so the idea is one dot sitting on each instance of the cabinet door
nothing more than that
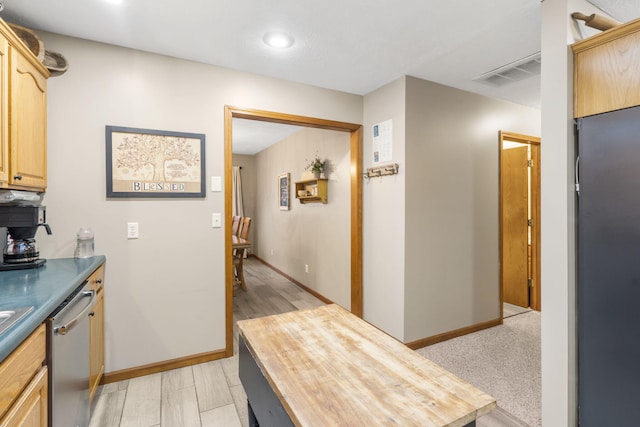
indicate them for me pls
(96, 344)
(30, 410)
(96, 279)
(17, 370)
(607, 71)
(4, 112)
(28, 118)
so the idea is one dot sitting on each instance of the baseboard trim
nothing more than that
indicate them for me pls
(414, 345)
(294, 281)
(154, 368)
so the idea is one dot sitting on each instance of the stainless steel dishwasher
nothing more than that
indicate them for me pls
(68, 353)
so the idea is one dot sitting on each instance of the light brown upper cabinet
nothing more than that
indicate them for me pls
(607, 71)
(23, 115)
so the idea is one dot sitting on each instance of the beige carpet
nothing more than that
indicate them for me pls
(509, 310)
(503, 361)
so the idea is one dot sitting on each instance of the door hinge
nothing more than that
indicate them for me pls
(530, 163)
(529, 223)
(530, 282)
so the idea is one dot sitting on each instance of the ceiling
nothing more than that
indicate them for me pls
(622, 10)
(252, 136)
(355, 46)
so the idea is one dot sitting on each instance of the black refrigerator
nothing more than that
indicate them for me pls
(608, 172)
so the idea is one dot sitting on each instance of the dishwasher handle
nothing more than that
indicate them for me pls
(64, 329)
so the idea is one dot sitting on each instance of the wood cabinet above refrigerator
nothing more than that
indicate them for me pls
(607, 71)
(23, 115)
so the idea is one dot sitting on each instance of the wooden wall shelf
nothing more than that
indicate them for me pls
(313, 191)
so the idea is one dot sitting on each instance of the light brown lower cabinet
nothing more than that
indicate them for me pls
(96, 345)
(30, 410)
(24, 384)
(96, 333)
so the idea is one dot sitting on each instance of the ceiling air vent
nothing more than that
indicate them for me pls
(513, 72)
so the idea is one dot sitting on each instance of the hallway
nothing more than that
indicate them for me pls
(210, 394)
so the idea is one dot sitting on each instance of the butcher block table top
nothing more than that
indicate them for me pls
(328, 367)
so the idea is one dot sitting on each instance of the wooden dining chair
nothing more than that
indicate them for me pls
(239, 254)
(238, 281)
(244, 232)
(246, 226)
(235, 224)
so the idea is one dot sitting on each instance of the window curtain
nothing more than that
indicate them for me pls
(237, 208)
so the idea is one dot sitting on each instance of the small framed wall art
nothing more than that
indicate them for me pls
(283, 191)
(154, 163)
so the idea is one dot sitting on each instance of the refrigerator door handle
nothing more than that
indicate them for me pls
(578, 175)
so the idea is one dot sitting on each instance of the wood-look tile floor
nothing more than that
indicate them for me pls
(210, 394)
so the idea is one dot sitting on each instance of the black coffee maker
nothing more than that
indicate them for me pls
(22, 222)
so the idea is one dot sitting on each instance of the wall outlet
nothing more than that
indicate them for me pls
(306, 268)
(132, 230)
(271, 251)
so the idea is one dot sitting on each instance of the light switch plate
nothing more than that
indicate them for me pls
(216, 183)
(132, 230)
(216, 220)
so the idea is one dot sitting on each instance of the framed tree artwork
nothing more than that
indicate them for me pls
(154, 163)
(283, 191)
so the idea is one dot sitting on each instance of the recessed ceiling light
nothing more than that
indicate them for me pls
(114, 1)
(278, 40)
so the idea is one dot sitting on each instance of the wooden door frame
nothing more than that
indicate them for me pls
(355, 131)
(535, 296)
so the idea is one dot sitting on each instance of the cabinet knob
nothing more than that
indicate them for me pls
(17, 177)
(98, 281)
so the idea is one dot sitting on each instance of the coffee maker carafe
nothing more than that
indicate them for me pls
(22, 222)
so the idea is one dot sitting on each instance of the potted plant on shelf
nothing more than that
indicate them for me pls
(316, 166)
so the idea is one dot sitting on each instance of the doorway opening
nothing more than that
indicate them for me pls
(355, 131)
(520, 286)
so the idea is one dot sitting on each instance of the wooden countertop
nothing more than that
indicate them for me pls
(329, 367)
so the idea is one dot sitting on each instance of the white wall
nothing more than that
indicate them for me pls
(314, 234)
(431, 261)
(383, 221)
(452, 167)
(165, 291)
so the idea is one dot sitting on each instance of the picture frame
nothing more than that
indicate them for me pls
(283, 191)
(154, 163)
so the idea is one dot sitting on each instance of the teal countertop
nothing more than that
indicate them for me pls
(43, 288)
